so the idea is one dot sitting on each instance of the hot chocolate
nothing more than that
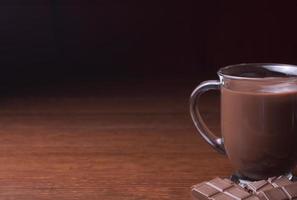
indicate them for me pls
(258, 118)
(259, 126)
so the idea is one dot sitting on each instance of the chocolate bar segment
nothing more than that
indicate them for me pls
(280, 181)
(237, 192)
(291, 190)
(287, 192)
(258, 186)
(253, 197)
(221, 189)
(203, 189)
(274, 194)
(222, 196)
(263, 185)
(219, 184)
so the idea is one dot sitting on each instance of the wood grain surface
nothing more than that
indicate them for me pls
(105, 142)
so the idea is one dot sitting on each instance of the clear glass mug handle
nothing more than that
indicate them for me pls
(216, 142)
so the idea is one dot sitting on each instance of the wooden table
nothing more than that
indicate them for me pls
(105, 142)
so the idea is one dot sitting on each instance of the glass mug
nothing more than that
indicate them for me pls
(258, 118)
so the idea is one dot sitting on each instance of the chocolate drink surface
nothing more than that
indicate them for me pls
(259, 127)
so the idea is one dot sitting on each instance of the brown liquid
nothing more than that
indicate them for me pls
(260, 130)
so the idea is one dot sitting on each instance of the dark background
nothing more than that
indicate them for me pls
(56, 41)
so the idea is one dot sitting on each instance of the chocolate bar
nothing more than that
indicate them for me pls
(275, 188)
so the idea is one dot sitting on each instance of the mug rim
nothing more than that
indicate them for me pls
(289, 71)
